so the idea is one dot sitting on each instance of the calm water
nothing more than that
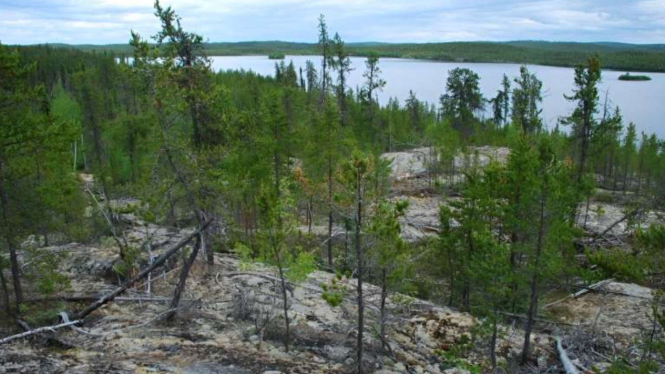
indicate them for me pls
(641, 102)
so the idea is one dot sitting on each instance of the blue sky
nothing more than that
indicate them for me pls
(109, 21)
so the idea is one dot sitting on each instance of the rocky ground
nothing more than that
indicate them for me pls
(219, 325)
(217, 328)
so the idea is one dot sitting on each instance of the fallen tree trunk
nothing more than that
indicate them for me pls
(160, 260)
(563, 356)
(82, 298)
(625, 217)
(38, 331)
(581, 292)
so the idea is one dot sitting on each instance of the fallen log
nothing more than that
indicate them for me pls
(259, 275)
(625, 217)
(581, 292)
(563, 356)
(38, 331)
(86, 298)
(160, 260)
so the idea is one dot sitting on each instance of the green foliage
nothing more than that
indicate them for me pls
(462, 99)
(526, 98)
(455, 356)
(128, 264)
(633, 57)
(41, 313)
(43, 272)
(335, 291)
(628, 77)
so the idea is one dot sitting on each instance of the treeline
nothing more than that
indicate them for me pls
(268, 158)
(616, 56)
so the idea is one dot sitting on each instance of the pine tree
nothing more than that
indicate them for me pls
(462, 99)
(526, 98)
(628, 154)
(585, 94)
(341, 63)
(373, 83)
(354, 175)
(326, 49)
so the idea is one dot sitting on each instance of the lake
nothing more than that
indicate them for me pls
(641, 102)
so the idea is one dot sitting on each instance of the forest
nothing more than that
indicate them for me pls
(615, 56)
(296, 176)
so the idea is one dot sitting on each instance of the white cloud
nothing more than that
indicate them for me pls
(35, 21)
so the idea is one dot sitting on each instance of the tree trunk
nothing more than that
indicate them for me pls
(533, 304)
(585, 138)
(625, 176)
(210, 253)
(285, 297)
(9, 238)
(142, 274)
(310, 214)
(5, 292)
(183, 278)
(384, 296)
(330, 213)
(495, 333)
(359, 260)
(452, 277)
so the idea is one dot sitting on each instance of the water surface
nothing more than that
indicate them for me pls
(641, 102)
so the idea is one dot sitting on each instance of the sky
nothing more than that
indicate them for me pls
(110, 21)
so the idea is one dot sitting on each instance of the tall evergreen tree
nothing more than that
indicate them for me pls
(462, 99)
(585, 94)
(526, 99)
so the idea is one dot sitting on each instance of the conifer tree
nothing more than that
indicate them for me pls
(354, 176)
(373, 83)
(585, 94)
(326, 49)
(628, 154)
(526, 98)
(341, 63)
(462, 99)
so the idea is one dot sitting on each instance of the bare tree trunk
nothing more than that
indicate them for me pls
(330, 213)
(142, 274)
(359, 260)
(210, 253)
(384, 296)
(533, 304)
(495, 333)
(285, 297)
(5, 292)
(9, 238)
(310, 214)
(183, 278)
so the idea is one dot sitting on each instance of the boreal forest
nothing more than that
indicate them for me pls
(160, 216)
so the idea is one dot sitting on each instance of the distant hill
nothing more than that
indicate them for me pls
(618, 56)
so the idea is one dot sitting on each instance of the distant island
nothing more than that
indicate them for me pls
(629, 77)
(276, 56)
(614, 56)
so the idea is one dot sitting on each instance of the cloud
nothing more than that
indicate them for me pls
(109, 21)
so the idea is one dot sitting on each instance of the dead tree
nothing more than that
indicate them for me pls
(144, 273)
(183, 278)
